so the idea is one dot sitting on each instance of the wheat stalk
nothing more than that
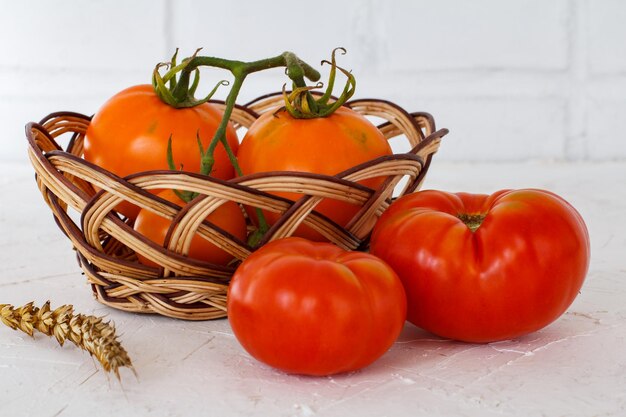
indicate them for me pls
(89, 333)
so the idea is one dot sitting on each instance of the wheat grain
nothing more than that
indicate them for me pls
(89, 333)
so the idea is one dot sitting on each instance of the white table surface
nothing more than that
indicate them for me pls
(574, 367)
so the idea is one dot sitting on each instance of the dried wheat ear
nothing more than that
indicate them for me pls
(89, 333)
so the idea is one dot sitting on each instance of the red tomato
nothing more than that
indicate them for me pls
(517, 272)
(227, 217)
(327, 145)
(130, 132)
(313, 308)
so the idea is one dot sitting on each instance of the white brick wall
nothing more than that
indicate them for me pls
(516, 80)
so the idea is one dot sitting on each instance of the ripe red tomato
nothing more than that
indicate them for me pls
(516, 273)
(227, 217)
(313, 308)
(130, 132)
(325, 145)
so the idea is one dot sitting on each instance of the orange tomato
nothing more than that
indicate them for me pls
(328, 145)
(130, 133)
(227, 217)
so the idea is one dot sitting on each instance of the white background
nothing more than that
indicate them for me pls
(513, 81)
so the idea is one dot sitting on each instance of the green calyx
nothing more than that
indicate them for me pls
(472, 221)
(179, 92)
(302, 104)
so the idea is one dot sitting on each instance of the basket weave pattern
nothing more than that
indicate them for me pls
(182, 287)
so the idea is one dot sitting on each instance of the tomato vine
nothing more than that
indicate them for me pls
(180, 93)
(177, 88)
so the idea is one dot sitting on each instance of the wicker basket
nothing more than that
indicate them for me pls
(181, 287)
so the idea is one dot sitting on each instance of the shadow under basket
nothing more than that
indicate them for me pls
(106, 243)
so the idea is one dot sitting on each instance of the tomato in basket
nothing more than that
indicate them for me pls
(228, 217)
(315, 135)
(130, 134)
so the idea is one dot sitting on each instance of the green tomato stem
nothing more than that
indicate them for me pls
(220, 135)
(301, 104)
